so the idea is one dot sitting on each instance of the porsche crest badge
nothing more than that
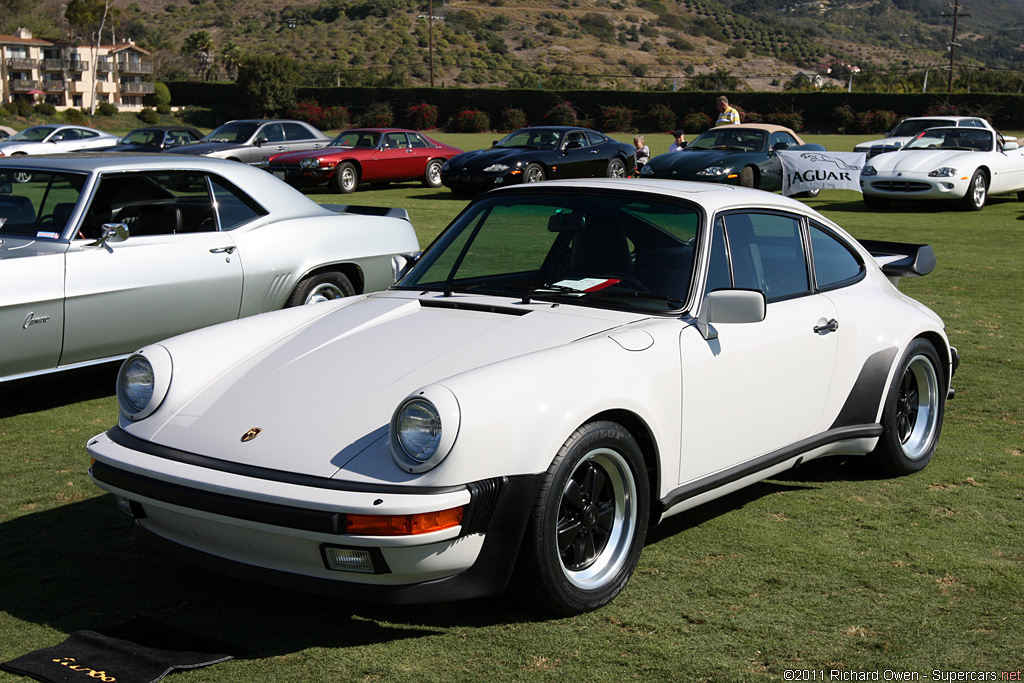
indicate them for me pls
(251, 434)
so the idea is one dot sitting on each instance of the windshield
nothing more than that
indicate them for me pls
(356, 138)
(535, 138)
(614, 251)
(912, 127)
(235, 131)
(38, 205)
(969, 139)
(33, 134)
(143, 137)
(743, 139)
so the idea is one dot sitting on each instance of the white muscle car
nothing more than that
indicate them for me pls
(55, 139)
(568, 363)
(966, 164)
(103, 253)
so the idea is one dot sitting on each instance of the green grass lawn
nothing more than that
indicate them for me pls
(827, 568)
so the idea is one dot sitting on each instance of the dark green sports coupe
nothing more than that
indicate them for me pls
(740, 154)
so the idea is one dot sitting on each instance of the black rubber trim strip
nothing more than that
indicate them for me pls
(868, 391)
(766, 461)
(126, 440)
(469, 306)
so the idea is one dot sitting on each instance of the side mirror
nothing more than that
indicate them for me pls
(730, 306)
(403, 263)
(56, 138)
(781, 145)
(573, 144)
(1009, 146)
(112, 232)
(261, 141)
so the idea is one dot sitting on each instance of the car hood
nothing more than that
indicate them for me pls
(9, 148)
(323, 152)
(325, 393)
(886, 142)
(919, 161)
(691, 161)
(482, 158)
(205, 148)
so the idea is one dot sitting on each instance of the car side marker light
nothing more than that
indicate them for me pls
(403, 525)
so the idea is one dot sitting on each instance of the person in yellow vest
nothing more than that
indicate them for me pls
(726, 114)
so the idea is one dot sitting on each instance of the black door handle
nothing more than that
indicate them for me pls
(831, 326)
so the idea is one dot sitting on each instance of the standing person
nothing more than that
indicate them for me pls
(680, 141)
(726, 114)
(642, 152)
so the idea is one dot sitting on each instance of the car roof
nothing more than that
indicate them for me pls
(769, 127)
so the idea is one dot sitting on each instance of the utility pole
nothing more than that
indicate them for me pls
(953, 45)
(430, 13)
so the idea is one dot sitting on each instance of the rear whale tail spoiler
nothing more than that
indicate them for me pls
(369, 210)
(898, 260)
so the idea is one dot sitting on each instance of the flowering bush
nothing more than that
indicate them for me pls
(791, 120)
(513, 119)
(378, 115)
(423, 116)
(618, 118)
(324, 118)
(696, 122)
(472, 121)
(661, 118)
(562, 114)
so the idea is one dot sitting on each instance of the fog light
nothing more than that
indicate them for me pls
(124, 505)
(356, 560)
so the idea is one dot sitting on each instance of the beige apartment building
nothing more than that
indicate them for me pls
(78, 76)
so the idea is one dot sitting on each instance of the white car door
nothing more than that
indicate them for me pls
(758, 387)
(175, 272)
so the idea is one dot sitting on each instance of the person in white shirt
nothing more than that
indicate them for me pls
(679, 143)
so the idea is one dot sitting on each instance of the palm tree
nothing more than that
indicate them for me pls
(199, 47)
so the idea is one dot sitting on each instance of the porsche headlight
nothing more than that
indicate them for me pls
(444, 166)
(869, 170)
(714, 170)
(309, 162)
(496, 168)
(647, 170)
(424, 428)
(143, 381)
(944, 172)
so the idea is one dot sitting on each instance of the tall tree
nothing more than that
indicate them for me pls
(231, 56)
(198, 48)
(268, 83)
(87, 19)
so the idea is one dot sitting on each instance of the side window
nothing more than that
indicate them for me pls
(233, 206)
(784, 138)
(834, 264)
(272, 132)
(417, 141)
(767, 254)
(394, 140)
(86, 134)
(294, 131)
(718, 268)
(596, 139)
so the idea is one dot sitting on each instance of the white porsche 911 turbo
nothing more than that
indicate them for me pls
(567, 364)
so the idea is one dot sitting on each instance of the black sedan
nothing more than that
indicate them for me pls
(530, 155)
(155, 139)
(741, 154)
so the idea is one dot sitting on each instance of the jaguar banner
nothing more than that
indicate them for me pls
(805, 171)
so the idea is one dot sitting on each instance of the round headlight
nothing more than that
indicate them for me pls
(418, 428)
(143, 381)
(424, 427)
(309, 162)
(136, 382)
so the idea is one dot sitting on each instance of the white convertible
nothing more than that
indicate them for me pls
(568, 363)
(55, 139)
(966, 164)
(103, 253)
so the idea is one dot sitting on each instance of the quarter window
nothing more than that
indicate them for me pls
(834, 264)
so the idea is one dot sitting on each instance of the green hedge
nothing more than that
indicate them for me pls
(817, 109)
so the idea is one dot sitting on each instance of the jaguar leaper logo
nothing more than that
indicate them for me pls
(251, 434)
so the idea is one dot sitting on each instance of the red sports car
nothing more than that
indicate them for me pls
(365, 155)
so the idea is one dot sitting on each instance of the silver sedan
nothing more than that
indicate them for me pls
(101, 254)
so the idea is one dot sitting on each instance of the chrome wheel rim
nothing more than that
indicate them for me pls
(348, 178)
(534, 175)
(617, 170)
(434, 174)
(596, 519)
(978, 190)
(324, 292)
(917, 407)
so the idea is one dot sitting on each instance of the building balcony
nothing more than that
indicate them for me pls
(73, 65)
(78, 87)
(135, 67)
(104, 65)
(105, 88)
(22, 63)
(23, 85)
(52, 86)
(137, 88)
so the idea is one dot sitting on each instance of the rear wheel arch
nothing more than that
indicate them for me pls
(350, 270)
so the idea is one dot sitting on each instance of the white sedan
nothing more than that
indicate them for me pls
(103, 253)
(54, 139)
(568, 363)
(965, 164)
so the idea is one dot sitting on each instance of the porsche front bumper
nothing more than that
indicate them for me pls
(282, 533)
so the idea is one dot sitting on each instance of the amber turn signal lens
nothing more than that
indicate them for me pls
(403, 525)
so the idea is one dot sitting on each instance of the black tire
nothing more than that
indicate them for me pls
(913, 412)
(313, 289)
(977, 192)
(432, 174)
(534, 173)
(748, 177)
(1020, 196)
(616, 168)
(875, 202)
(345, 178)
(588, 524)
